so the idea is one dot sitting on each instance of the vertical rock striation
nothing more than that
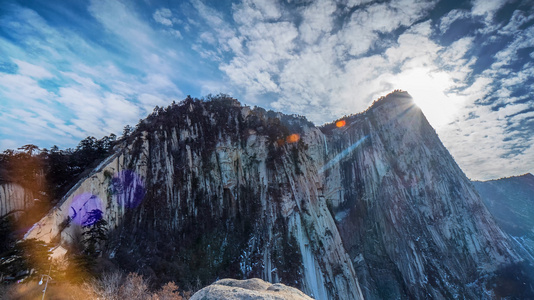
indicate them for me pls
(411, 221)
(14, 198)
(221, 191)
(209, 189)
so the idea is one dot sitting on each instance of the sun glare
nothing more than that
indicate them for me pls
(429, 90)
(293, 138)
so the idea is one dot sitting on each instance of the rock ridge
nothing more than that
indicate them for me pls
(375, 208)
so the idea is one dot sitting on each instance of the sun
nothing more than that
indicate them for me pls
(430, 90)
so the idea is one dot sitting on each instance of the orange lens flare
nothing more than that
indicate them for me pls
(293, 138)
(340, 123)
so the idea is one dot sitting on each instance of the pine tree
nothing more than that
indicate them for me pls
(95, 233)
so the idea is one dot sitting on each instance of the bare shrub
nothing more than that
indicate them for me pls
(134, 288)
(168, 292)
(107, 287)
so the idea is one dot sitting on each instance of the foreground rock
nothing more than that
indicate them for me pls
(248, 289)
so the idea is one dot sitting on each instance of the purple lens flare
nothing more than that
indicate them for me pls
(128, 188)
(86, 209)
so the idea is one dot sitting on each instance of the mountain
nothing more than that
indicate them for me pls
(211, 189)
(511, 201)
(409, 218)
(371, 206)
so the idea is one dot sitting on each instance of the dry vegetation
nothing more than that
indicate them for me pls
(110, 286)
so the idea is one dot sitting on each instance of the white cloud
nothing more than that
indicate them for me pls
(68, 87)
(118, 19)
(517, 20)
(522, 39)
(487, 8)
(32, 70)
(34, 122)
(352, 3)
(266, 57)
(85, 82)
(22, 88)
(249, 11)
(317, 20)
(208, 38)
(8, 144)
(149, 101)
(119, 111)
(214, 19)
(487, 142)
(163, 16)
(482, 145)
(322, 59)
(452, 16)
(174, 33)
(267, 46)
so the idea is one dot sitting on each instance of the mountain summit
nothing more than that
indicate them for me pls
(410, 220)
(371, 206)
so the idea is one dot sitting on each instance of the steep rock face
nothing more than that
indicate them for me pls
(218, 191)
(207, 190)
(14, 198)
(409, 218)
(511, 202)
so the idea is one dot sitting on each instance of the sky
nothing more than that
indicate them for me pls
(72, 69)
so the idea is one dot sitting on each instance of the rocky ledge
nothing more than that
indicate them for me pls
(255, 288)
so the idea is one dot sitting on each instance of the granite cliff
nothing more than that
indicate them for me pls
(372, 206)
(14, 199)
(411, 221)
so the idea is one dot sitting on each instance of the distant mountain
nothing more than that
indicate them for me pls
(511, 201)
(371, 206)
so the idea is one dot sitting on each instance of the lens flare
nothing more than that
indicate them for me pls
(129, 188)
(341, 155)
(86, 209)
(341, 123)
(293, 138)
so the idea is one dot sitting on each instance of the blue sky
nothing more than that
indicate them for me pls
(72, 69)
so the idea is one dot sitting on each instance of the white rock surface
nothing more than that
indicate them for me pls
(14, 197)
(251, 289)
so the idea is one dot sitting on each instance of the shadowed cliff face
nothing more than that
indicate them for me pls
(209, 189)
